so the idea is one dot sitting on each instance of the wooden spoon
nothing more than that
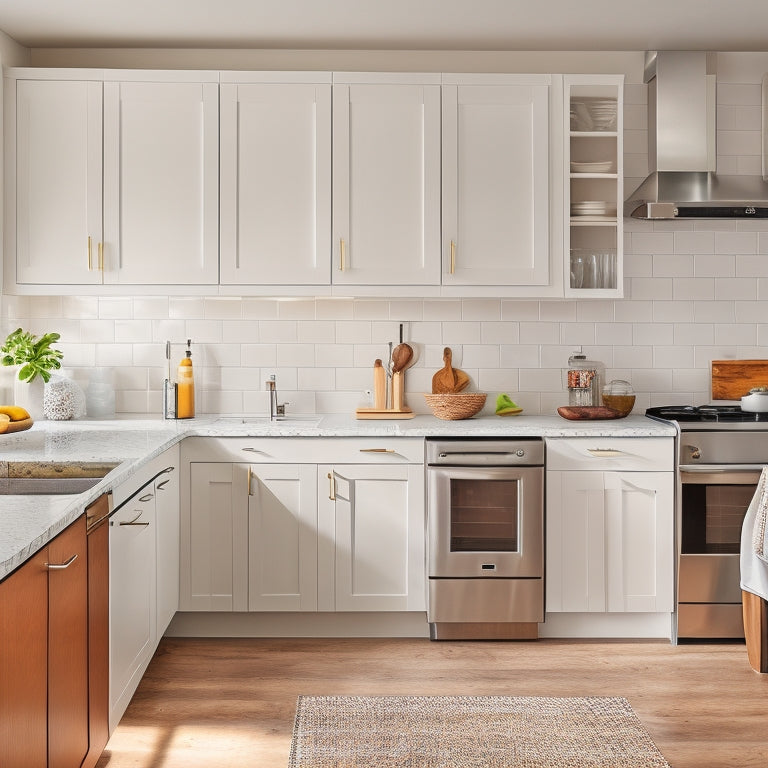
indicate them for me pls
(445, 379)
(402, 355)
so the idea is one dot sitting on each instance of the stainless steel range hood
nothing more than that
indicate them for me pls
(681, 147)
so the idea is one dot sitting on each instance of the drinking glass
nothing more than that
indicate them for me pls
(577, 270)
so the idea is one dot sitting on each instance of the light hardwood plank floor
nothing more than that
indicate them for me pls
(230, 703)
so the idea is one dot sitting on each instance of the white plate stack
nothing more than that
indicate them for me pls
(598, 208)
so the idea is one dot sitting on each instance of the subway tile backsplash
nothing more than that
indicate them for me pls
(694, 291)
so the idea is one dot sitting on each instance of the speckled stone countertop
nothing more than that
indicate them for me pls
(28, 523)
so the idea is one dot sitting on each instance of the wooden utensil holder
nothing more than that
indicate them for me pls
(397, 408)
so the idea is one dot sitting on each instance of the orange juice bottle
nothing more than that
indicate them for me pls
(185, 393)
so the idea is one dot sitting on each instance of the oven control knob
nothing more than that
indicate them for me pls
(520, 452)
(694, 451)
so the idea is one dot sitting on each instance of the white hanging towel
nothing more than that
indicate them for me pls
(754, 544)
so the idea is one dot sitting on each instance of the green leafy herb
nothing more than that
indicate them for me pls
(35, 355)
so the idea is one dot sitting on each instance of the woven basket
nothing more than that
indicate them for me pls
(453, 406)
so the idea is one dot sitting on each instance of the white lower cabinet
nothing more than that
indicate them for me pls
(371, 546)
(610, 525)
(282, 537)
(143, 580)
(284, 532)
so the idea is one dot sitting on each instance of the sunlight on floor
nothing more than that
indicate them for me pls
(189, 746)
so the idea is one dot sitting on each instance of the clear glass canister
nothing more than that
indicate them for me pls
(583, 380)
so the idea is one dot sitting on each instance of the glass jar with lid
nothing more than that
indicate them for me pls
(583, 380)
(619, 395)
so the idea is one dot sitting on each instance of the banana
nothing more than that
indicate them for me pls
(14, 412)
(5, 420)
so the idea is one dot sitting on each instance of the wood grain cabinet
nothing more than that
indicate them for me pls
(110, 181)
(44, 659)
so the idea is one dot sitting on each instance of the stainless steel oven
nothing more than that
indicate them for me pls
(485, 537)
(721, 452)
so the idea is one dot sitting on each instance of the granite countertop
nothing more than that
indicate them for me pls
(28, 523)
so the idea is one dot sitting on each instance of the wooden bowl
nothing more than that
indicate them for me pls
(452, 406)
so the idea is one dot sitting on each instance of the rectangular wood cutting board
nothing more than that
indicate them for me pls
(732, 379)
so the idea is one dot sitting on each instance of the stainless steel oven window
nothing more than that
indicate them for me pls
(484, 515)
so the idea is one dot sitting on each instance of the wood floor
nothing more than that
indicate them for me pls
(230, 703)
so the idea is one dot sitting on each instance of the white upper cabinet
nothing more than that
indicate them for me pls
(276, 179)
(161, 143)
(386, 180)
(496, 181)
(111, 178)
(56, 204)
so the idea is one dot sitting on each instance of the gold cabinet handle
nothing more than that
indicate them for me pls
(61, 566)
(134, 521)
(250, 475)
(377, 450)
(453, 256)
(90, 253)
(101, 257)
(332, 491)
(342, 254)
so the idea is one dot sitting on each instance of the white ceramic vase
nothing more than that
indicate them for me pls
(29, 395)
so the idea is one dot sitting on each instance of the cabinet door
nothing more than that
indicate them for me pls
(58, 169)
(161, 147)
(610, 541)
(24, 665)
(495, 185)
(639, 536)
(68, 647)
(275, 183)
(215, 577)
(282, 535)
(386, 184)
(166, 488)
(133, 598)
(575, 562)
(371, 548)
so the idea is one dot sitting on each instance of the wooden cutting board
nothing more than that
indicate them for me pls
(732, 379)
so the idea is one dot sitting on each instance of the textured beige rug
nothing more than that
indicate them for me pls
(469, 732)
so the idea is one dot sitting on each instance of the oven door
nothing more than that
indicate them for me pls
(713, 505)
(485, 522)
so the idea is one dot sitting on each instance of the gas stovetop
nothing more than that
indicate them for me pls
(716, 417)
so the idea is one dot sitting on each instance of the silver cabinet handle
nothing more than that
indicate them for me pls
(133, 522)
(61, 566)
(605, 452)
(255, 450)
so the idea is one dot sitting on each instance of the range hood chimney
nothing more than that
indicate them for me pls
(682, 147)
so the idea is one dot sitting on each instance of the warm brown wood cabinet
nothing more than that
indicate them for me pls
(44, 656)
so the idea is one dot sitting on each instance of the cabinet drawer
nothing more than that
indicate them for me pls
(642, 454)
(312, 450)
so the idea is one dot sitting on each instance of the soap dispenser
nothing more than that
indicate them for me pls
(185, 386)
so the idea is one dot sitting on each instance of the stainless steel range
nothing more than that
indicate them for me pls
(485, 525)
(721, 452)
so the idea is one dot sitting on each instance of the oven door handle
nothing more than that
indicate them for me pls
(714, 469)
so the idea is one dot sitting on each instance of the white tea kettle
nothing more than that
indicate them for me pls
(756, 401)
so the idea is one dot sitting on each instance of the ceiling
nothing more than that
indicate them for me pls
(513, 25)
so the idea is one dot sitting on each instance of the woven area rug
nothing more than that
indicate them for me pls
(469, 732)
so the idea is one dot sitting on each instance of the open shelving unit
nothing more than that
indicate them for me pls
(594, 106)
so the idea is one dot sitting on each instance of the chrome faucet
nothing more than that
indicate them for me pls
(276, 411)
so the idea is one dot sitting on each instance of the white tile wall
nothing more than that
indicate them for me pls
(694, 292)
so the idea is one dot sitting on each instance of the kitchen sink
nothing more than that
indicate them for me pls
(306, 420)
(57, 479)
